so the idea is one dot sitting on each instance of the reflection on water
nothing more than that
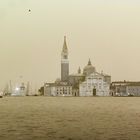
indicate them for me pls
(69, 118)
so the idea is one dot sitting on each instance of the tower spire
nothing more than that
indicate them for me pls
(89, 62)
(79, 70)
(65, 49)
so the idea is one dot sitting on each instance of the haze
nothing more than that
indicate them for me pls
(106, 31)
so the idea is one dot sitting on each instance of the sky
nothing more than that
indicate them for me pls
(106, 31)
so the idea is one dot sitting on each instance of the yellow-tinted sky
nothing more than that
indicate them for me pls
(106, 31)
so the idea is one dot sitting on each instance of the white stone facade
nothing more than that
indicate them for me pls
(96, 82)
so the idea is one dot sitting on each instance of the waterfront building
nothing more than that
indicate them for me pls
(57, 89)
(88, 83)
(75, 80)
(125, 88)
(94, 85)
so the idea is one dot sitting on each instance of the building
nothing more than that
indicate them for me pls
(125, 88)
(64, 62)
(75, 80)
(94, 85)
(57, 89)
(88, 83)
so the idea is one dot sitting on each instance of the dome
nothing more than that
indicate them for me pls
(89, 69)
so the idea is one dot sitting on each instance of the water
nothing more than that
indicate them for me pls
(70, 118)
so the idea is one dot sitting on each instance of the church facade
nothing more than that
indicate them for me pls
(94, 85)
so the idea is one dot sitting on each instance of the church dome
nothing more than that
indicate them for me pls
(89, 69)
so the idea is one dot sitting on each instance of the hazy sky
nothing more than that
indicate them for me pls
(106, 31)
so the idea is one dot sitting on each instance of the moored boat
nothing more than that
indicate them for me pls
(1, 94)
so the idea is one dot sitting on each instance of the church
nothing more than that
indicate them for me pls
(86, 83)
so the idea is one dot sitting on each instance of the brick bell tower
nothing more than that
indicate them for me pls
(64, 62)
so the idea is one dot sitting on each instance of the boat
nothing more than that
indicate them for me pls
(1, 94)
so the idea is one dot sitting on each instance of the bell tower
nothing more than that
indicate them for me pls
(64, 62)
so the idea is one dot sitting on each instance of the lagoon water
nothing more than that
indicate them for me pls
(70, 118)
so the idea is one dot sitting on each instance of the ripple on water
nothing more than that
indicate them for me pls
(80, 119)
